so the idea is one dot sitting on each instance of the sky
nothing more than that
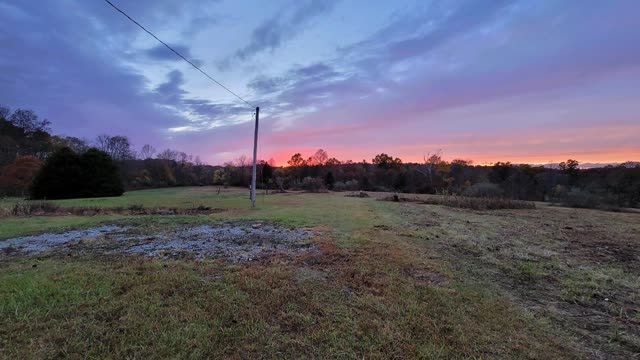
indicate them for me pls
(526, 81)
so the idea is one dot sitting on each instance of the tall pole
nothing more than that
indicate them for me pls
(255, 154)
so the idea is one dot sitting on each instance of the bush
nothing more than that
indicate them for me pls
(28, 208)
(381, 188)
(587, 200)
(351, 185)
(295, 184)
(66, 175)
(136, 207)
(479, 203)
(312, 184)
(483, 190)
(339, 186)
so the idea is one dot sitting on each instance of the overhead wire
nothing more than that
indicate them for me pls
(178, 54)
(182, 57)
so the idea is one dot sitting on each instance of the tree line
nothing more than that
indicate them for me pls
(26, 143)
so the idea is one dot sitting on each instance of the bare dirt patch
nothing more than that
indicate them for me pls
(48, 242)
(237, 243)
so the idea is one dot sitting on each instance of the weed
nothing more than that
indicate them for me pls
(136, 208)
(474, 203)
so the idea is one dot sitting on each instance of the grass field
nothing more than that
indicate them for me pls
(388, 280)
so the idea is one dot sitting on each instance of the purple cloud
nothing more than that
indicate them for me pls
(430, 75)
(284, 25)
(160, 52)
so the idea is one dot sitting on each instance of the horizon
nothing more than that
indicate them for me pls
(512, 81)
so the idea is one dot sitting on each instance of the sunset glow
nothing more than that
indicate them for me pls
(521, 81)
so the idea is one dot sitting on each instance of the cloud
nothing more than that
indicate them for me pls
(202, 114)
(427, 85)
(161, 53)
(171, 91)
(403, 84)
(77, 85)
(286, 24)
(466, 17)
(295, 77)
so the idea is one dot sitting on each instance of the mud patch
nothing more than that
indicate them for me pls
(236, 243)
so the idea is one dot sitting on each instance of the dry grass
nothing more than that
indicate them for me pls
(372, 302)
(476, 203)
(42, 208)
(391, 280)
(464, 202)
(578, 269)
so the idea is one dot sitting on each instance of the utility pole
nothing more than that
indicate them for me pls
(255, 154)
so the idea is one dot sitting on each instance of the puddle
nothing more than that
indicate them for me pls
(236, 243)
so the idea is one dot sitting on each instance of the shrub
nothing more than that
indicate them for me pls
(295, 184)
(28, 208)
(479, 203)
(381, 188)
(339, 186)
(587, 200)
(312, 184)
(136, 207)
(352, 185)
(483, 190)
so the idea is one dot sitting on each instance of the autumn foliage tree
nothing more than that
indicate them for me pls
(16, 178)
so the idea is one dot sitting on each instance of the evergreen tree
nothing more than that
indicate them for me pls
(329, 180)
(67, 175)
(101, 176)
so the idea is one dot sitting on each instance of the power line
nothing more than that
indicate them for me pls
(177, 53)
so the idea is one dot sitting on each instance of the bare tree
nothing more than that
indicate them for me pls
(28, 120)
(4, 112)
(431, 163)
(242, 161)
(168, 154)
(147, 152)
(118, 147)
(76, 144)
(319, 158)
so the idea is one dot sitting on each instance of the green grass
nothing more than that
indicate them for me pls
(24, 226)
(344, 215)
(390, 281)
(177, 197)
(147, 309)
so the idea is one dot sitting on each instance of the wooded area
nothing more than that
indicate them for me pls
(26, 142)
